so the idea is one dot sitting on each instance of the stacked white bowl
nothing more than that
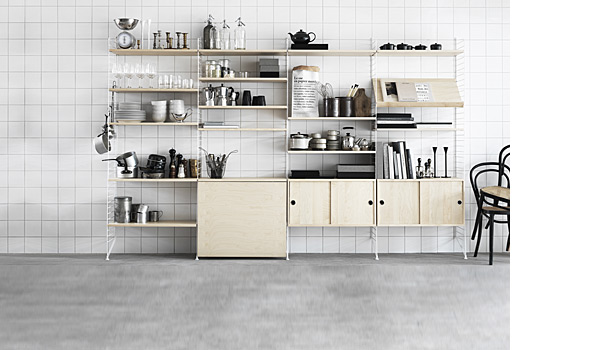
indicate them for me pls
(177, 107)
(159, 111)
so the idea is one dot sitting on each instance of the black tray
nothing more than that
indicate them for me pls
(310, 47)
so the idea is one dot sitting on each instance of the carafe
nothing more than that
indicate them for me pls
(206, 32)
(225, 37)
(239, 35)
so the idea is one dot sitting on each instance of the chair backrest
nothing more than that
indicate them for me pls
(502, 157)
(489, 167)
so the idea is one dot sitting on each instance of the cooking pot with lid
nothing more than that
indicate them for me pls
(299, 141)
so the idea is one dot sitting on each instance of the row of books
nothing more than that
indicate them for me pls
(406, 121)
(394, 161)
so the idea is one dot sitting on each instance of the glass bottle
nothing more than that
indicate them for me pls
(239, 35)
(225, 34)
(215, 38)
(206, 32)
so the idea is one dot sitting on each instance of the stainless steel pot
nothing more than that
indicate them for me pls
(299, 141)
(122, 211)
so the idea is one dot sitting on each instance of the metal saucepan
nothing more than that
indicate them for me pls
(102, 141)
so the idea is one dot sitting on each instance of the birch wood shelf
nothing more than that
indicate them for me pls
(166, 180)
(243, 80)
(162, 223)
(118, 123)
(245, 107)
(242, 129)
(152, 90)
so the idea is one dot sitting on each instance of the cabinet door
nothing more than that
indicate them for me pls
(309, 203)
(241, 219)
(397, 203)
(353, 203)
(442, 203)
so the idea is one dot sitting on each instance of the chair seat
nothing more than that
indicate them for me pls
(496, 210)
(497, 191)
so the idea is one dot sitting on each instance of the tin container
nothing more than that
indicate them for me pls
(346, 106)
(122, 210)
(331, 106)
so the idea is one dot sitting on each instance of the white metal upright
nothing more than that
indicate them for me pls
(459, 138)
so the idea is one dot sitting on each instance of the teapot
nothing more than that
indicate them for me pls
(301, 37)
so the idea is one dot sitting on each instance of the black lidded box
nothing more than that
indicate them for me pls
(310, 47)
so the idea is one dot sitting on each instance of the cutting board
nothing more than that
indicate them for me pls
(362, 104)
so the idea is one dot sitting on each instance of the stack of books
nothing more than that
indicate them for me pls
(217, 125)
(434, 125)
(395, 121)
(394, 161)
(355, 171)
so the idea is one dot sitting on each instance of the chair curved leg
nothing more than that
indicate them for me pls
(508, 240)
(491, 238)
(478, 238)
(478, 219)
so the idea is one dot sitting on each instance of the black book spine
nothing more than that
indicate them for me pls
(409, 164)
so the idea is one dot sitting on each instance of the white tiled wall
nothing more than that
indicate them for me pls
(53, 80)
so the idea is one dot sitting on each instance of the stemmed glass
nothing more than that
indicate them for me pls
(140, 73)
(117, 71)
(150, 73)
(128, 71)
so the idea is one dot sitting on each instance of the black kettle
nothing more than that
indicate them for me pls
(301, 37)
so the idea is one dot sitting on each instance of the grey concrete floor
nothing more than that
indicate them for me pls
(313, 301)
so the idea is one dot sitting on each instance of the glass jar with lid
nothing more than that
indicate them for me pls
(212, 69)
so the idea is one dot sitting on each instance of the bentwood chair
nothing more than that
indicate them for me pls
(492, 201)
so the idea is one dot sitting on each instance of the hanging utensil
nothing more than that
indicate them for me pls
(102, 141)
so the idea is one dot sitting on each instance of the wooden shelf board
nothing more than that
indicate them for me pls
(331, 52)
(242, 129)
(355, 53)
(154, 124)
(151, 52)
(151, 90)
(439, 179)
(420, 104)
(419, 53)
(243, 107)
(162, 223)
(327, 180)
(244, 80)
(331, 152)
(341, 119)
(244, 179)
(242, 52)
(166, 180)
(417, 129)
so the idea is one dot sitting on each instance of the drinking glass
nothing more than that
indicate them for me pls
(128, 72)
(151, 73)
(117, 71)
(140, 73)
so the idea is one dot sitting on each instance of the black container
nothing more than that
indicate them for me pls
(331, 106)
(246, 98)
(404, 46)
(420, 47)
(435, 46)
(259, 101)
(156, 161)
(346, 106)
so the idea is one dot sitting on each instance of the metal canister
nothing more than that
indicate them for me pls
(122, 210)
(331, 106)
(346, 106)
(193, 167)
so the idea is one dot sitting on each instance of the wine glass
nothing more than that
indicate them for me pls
(139, 73)
(150, 73)
(128, 72)
(117, 71)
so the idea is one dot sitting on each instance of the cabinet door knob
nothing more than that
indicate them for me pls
(370, 202)
(381, 202)
(459, 202)
(293, 202)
